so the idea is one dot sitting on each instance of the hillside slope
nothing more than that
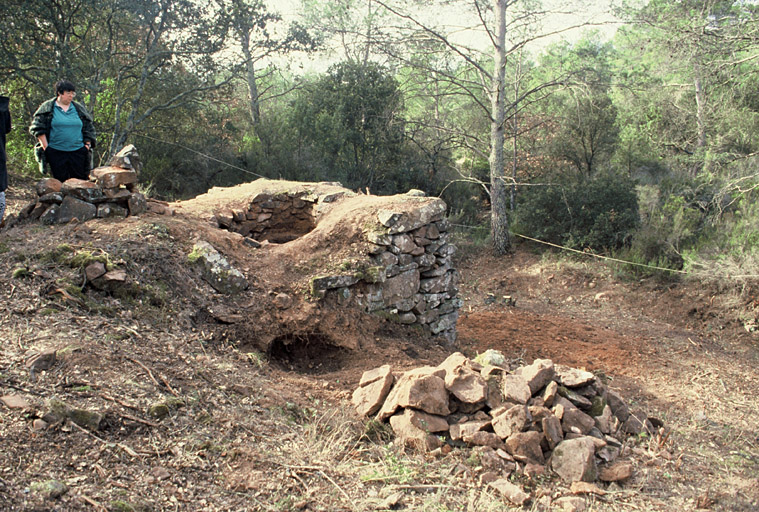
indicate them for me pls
(199, 400)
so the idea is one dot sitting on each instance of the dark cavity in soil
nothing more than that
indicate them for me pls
(311, 354)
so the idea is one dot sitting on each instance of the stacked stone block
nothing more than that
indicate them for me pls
(275, 217)
(110, 192)
(412, 279)
(59, 203)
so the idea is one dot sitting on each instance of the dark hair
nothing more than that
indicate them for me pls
(62, 86)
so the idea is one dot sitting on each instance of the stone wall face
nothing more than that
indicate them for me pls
(60, 203)
(420, 285)
(412, 280)
(278, 218)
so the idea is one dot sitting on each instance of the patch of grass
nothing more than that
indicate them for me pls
(378, 432)
(59, 255)
(196, 254)
(68, 349)
(294, 414)
(155, 229)
(73, 289)
(125, 506)
(21, 272)
(82, 259)
(116, 336)
(392, 469)
(256, 358)
(64, 254)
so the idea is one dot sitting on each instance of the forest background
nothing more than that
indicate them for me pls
(641, 146)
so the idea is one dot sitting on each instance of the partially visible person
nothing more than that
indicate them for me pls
(65, 132)
(5, 128)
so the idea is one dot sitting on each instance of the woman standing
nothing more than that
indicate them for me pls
(5, 127)
(66, 133)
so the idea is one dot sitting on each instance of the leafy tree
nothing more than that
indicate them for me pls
(251, 23)
(352, 28)
(508, 26)
(683, 67)
(352, 119)
(583, 129)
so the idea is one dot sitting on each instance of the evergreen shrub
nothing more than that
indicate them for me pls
(598, 214)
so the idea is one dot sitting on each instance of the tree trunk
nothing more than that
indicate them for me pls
(700, 113)
(701, 124)
(250, 78)
(498, 190)
(514, 140)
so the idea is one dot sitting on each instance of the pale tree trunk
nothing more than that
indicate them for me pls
(368, 32)
(514, 139)
(700, 122)
(250, 76)
(498, 190)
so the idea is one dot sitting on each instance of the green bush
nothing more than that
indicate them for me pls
(599, 214)
(669, 229)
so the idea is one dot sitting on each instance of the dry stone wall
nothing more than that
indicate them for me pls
(412, 279)
(278, 218)
(110, 192)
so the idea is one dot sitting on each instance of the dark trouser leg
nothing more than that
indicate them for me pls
(68, 164)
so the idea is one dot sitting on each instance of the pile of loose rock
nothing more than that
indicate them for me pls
(110, 192)
(542, 416)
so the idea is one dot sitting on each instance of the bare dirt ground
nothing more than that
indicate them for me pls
(248, 427)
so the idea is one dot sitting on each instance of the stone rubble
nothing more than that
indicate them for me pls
(110, 192)
(542, 416)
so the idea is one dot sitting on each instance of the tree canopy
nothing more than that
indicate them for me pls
(494, 122)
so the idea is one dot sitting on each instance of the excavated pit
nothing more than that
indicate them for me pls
(275, 218)
(311, 354)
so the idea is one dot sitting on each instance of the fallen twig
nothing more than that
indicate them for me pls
(93, 503)
(422, 487)
(140, 420)
(150, 374)
(353, 505)
(157, 453)
(325, 475)
(299, 479)
(120, 402)
(18, 388)
(89, 433)
(166, 382)
(124, 447)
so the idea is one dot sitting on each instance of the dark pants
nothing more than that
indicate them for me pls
(68, 164)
